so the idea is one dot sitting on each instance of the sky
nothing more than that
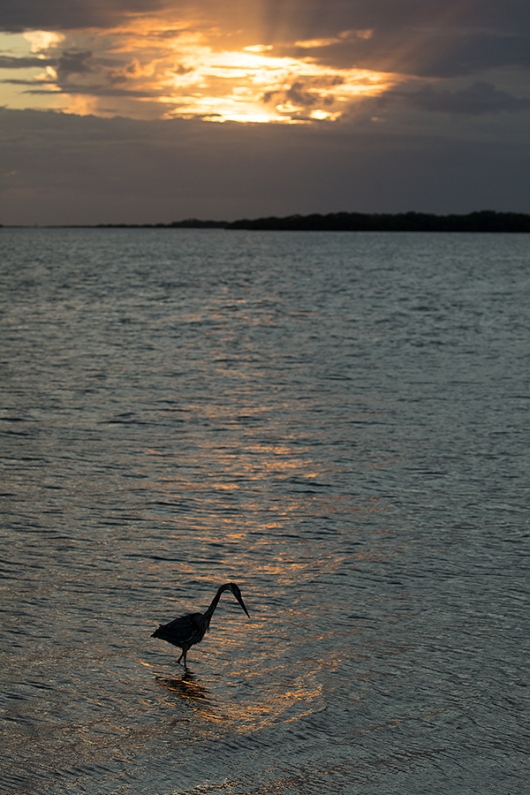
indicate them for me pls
(146, 111)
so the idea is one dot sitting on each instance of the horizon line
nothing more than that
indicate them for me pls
(411, 221)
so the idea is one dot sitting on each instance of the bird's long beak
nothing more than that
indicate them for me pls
(241, 602)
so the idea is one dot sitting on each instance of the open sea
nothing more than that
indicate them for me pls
(337, 422)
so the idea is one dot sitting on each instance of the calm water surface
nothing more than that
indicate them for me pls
(339, 424)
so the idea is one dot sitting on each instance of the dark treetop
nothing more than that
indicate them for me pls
(483, 221)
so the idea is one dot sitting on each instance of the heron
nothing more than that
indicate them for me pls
(189, 629)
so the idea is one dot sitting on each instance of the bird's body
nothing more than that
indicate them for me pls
(191, 628)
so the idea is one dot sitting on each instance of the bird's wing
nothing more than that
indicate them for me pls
(183, 629)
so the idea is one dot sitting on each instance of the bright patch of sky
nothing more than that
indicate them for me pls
(158, 69)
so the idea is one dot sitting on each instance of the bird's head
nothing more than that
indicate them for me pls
(231, 586)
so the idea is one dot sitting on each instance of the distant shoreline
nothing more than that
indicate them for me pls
(482, 221)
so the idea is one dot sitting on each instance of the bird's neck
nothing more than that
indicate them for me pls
(215, 601)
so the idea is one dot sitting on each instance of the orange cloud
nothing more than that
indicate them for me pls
(159, 68)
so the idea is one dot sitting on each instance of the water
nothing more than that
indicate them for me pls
(339, 424)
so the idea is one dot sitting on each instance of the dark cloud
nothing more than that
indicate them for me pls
(19, 15)
(87, 91)
(71, 169)
(441, 38)
(469, 54)
(101, 76)
(297, 94)
(478, 99)
(416, 37)
(312, 18)
(73, 63)
(281, 19)
(421, 53)
(7, 62)
(15, 82)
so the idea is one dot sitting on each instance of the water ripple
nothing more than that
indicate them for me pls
(338, 423)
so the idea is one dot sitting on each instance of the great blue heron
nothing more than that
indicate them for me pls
(190, 629)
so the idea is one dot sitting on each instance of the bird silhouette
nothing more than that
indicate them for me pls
(190, 629)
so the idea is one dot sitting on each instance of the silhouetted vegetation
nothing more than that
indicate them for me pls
(194, 223)
(483, 221)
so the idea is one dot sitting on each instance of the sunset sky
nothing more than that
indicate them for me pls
(157, 110)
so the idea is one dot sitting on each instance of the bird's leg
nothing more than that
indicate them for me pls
(183, 657)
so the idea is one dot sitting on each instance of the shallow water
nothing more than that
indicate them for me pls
(336, 422)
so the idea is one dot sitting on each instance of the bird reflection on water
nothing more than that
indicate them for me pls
(189, 629)
(186, 686)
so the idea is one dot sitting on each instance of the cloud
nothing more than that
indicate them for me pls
(9, 62)
(88, 91)
(191, 73)
(423, 53)
(328, 17)
(19, 15)
(298, 97)
(42, 40)
(72, 169)
(471, 53)
(250, 60)
(73, 63)
(428, 38)
(478, 99)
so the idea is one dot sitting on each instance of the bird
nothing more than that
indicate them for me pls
(189, 629)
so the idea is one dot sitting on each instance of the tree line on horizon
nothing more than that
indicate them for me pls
(482, 221)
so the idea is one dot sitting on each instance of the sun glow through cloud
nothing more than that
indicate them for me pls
(42, 40)
(159, 69)
(257, 87)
